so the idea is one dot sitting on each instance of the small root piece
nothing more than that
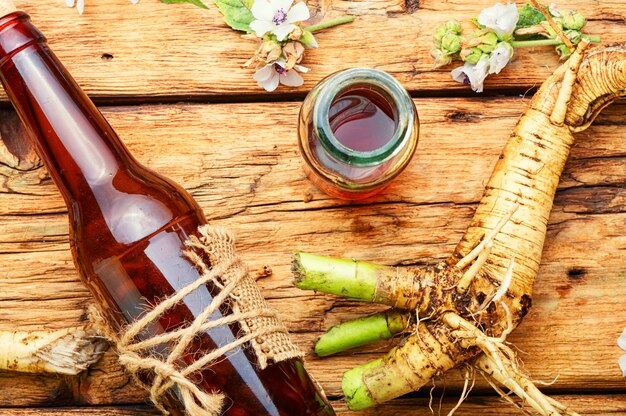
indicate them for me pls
(498, 362)
(561, 407)
(469, 275)
(503, 395)
(504, 286)
(467, 388)
(480, 253)
(465, 261)
(567, 85)
(430, 394)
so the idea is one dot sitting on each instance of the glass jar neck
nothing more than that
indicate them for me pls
(378, 83)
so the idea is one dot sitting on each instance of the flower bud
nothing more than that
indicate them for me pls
(293, 52)
(471, 55)
(451, 43)
(574, 35)
(453, 26)
(308, 39)
(296, 33)
(441, 58)
(574, 20)
(269, 51)
(488, 42)
(440, 32)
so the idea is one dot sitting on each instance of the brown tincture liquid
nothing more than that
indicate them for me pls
(128, 225)
(360, 121)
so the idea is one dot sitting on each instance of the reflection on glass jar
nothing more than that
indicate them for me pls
(358, 130)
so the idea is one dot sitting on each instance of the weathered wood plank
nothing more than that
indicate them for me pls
(251, 180)
(116, 50)
(610, 404)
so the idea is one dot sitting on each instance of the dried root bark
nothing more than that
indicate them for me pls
(483, 290)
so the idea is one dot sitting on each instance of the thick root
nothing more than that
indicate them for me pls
(428, 352)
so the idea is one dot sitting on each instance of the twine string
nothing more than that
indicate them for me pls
(237, 290)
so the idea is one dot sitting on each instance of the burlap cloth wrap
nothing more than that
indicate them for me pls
(260, 326)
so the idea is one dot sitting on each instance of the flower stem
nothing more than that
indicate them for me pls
(330, 23)
(362, 331)
(547, 42)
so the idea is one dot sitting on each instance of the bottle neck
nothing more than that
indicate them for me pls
(79, 148)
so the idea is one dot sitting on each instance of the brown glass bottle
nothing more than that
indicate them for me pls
(128, 226)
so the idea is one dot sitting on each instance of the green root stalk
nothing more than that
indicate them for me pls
(409, 288)
(344, 277)
(362, 331)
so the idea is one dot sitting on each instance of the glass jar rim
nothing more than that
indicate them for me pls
(401, 102)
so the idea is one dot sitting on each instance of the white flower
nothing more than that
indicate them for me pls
(473, 74)
(500, 57)
(554, 11)
(621, 341)
(80, 4)
(277, 17)
(274, 73)
(502, 18)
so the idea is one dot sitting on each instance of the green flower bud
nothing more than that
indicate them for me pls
(453, 26)
(574, 21)
(574, 35)
(308, 39)
(472, 55)
(441, 58)
(451, 43)
(563, 51)
(488, 42)
(440, 32)
(450, 27)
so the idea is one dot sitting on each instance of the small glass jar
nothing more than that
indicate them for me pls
(358, 129)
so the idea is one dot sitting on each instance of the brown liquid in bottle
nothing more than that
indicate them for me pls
(128, 226)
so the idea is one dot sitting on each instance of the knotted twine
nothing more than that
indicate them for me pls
(259, 324)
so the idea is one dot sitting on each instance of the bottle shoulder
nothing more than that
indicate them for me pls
(135, 203)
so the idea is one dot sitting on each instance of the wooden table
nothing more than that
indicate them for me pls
(168, 79)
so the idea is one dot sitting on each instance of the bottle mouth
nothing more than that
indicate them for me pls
(379, 84)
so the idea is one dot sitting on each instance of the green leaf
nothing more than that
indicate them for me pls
(529, 16)
(198, 3)
(236, 13)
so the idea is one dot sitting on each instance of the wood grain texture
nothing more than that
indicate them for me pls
(610, 404)
(178, 51)
(251, 180)
(486, 405)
